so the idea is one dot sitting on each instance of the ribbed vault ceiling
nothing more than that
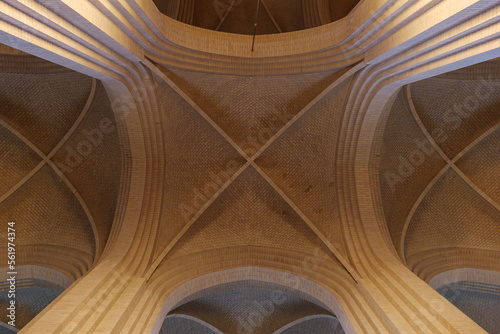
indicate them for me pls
(230, 178)
(251, 162)
(439, 170)
(238, 16)
(59, 170)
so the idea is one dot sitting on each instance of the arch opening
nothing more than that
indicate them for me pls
(253, 300)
